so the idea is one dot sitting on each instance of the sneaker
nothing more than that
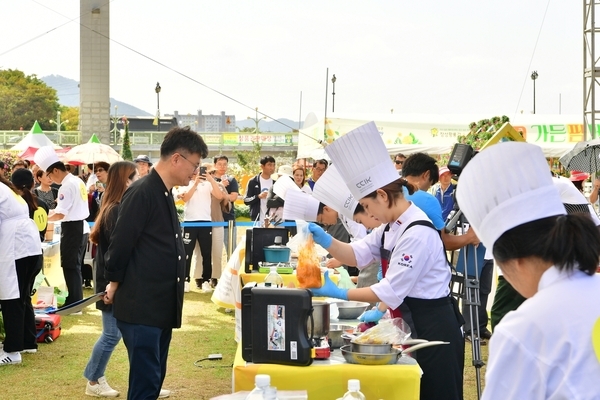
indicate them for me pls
(9, 358)
(164, 393)
(213, 283)
(101, 389)
(31, 351)
(77, 313)
(186, 286)
(199, 283)
(206, 287)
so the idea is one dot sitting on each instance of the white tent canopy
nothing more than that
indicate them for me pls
(437, 134)
(34, 139)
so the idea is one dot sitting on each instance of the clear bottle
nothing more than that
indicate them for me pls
(354, 392)
(273, 279)
(261, 382)
(270, 393)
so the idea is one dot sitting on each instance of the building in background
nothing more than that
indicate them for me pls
(206, 123)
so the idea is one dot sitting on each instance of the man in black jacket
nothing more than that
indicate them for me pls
(258, 189)
(145, 262)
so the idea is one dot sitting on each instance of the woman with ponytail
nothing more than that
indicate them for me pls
(550, 346)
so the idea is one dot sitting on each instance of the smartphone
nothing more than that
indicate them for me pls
(202, 170)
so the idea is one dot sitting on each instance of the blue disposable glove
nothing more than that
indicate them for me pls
(373, 315)
(379, 274)
(330, 289)
(319, 235)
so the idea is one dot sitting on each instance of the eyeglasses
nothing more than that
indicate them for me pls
(399, 162)
(99, 170)
(196, 167)
(320, 169)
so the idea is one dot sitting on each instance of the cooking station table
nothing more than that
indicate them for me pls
(328, 379)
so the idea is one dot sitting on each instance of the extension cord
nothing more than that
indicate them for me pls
(215, 356)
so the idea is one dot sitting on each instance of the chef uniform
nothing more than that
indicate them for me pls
(72, 202)
(549, 348)
(21, 250)
(414, 263)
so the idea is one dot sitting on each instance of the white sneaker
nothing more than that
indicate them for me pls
(9, 358)
(164, 393)
(29, 351)
(102, 389)
(206, 287)
(186, 287)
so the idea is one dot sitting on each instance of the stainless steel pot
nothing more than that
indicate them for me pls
(320, 320)
(335, 334)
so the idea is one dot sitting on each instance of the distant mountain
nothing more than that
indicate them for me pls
(68, 95)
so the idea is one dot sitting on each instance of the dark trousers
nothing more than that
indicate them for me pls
(72, 249)
(148, 349)
(506, 299)
(485, 287)
(18, 315)
(204, 237)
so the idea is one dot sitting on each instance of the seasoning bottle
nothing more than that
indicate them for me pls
(273, 279)
(261, 382)
(354, 392)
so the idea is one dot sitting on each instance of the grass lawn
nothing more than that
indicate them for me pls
(55, 372)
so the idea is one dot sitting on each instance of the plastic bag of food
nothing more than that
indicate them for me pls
(307, 270)
(389, 331)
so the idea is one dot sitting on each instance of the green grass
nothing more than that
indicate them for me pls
(55, 371)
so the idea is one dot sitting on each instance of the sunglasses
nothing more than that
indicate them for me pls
(99, 170)
(399, 162)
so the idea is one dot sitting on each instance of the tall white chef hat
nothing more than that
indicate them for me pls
(573, 200)
(495, 200)
(362, 160)
(332, 191)
(300, 205)
(45, 156)
(283, 184)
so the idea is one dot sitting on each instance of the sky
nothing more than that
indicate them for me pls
(425, 57)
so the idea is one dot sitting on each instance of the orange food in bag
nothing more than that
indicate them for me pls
(308, 271)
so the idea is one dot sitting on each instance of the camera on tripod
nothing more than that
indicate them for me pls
(459, 158)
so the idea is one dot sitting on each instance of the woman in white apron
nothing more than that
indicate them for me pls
(549, 348)
(415, 270)
(21, 250)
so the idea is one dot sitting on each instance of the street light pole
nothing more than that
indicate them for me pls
(256, 121)
(58, 123)
(333, 79)
(534, 76)
(115, 128)
(157, 90)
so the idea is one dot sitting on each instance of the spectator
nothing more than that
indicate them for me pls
(18, 165)
(300, 178)
(119, 177)
(44, 191)
(145, 264)
(258, 189)
(398, 162)
(143, 164)
(231, 184)
(318, 168)
(444, 192)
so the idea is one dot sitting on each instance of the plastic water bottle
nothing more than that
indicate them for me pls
(261, 382)
(354, 392)
(273, 279)
(270, 393)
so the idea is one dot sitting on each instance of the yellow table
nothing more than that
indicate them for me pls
(328, 379)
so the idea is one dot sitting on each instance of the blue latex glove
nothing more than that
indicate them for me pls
(319, 235)
(380, 273)
(373, 315)
(330, 289)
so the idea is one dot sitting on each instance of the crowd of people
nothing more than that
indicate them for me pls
(383, 221)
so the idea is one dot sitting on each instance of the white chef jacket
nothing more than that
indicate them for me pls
(72, 199)
(357, 231)
(19, 238)
(543, 350)
(418, 267)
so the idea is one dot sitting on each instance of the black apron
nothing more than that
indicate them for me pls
(435, 319)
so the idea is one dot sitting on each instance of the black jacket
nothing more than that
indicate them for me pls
(251, 199)
(146, 256)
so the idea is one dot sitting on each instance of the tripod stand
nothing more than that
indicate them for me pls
(471, 299)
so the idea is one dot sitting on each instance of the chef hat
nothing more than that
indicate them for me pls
(283, 184)
(331, 190)
(45, 156)
(495, 200)
(362, 160)
(300, 205)
(573, 200)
